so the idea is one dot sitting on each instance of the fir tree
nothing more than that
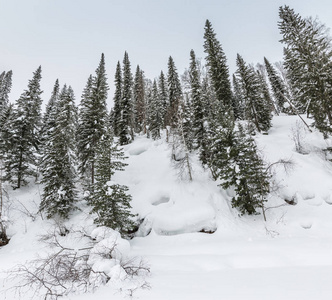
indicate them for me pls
(217, 66)
(278, 87)
(139, 101)
(5, 88)
(238, 100)
(126, 132)
(307, 56)
(155, 113)
(21, 160)
(110, 200)
(163, 96)
(197, 105)
(257, 111)
(116, 116)
(174, 93)
(59, 160)
(92, 120)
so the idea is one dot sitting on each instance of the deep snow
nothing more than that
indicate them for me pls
(287, 257)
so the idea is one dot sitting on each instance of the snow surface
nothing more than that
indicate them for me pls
(287, 257)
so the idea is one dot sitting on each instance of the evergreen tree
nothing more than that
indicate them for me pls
(59, 160)
(257, 111)
(5, 88)
(278, 87)
(155, 113)
(307, 56)
(126, 131)
(116, 118)
(21, 160)
(163, 96)
(244, 170)
(139, 101)
(238, 100)
(217, 66)
(110, 201)
(197, 105)
(265, 92)
(174, 93)
(92, 120)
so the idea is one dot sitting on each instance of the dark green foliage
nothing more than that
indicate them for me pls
(238, 100)
(265, 92)
(126, 132)
(155, 113)
(278, 87)
(21, 160)
(217, 66)
(5, 87)
(174, 93)
(59, 160)
(109, 200)
(256, 110)
(139, 101)
(92, 120)
(163, 96)
(307, 56)
(116, 113)
(244, 170)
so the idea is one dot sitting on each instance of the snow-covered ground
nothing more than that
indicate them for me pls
(287, 257)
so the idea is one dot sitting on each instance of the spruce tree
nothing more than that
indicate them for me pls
(155, 113)
(116, 113)
(307, 56)
(217, 66)
(59, 160)
(174, 93)
(5, 88)
(110, 200)
(257, 111)
(127, 131)
(163, 96)
(139, 101)
(92, 120)
(21, 160)
(238, 100)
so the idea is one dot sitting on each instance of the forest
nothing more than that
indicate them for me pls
(73, 151)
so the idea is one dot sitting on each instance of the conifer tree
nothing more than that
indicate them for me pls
(217, 66)
(110, 200)
(244, 170)
(163, 96)
(139, 101)
(197, 105)
(239, 105)
(155, 113)
(278, 87)
(59, 160)
(307, 56)
(5, 88)
(21, 160)
(92, 120)
(174, 93)
(116, 116)
(127, 131)
(257, 111)
(265, 92)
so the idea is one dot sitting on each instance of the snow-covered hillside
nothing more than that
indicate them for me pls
(287, 257)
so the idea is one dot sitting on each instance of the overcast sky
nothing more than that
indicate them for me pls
(67, 37)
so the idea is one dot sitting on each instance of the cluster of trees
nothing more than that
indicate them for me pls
(202, 112)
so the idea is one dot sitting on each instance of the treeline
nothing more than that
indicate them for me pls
(204, 111)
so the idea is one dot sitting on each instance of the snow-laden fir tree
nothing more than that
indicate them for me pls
(163, 96)
(155, 113)
(217, 66)
(174, 94)
(21, 160)
(256, 110)
(265, 91)
(59, 159)
(244, 171)
(278, 87)
(5, 88)
(116, 112)
(110, 201)
(307, 59)
(197, 105)
(139, 101)
(126, 132)
(238, 101)
(92, 120)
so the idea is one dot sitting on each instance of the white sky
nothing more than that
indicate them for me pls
(67, 37)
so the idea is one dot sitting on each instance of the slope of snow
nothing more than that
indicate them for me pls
(287, 257)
